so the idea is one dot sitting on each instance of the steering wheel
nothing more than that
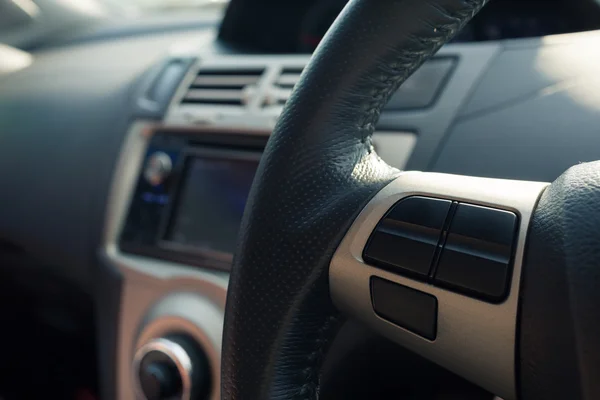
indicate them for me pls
(495, 280)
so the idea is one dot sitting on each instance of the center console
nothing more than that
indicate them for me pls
(190, 195)
(172, 220)
(174, 213)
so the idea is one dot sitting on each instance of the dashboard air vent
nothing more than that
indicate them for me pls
(283, 86)
(223, 86)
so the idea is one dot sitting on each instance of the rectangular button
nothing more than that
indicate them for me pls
(406, 238)
(423, 87)
(477, 256)
(406, 307)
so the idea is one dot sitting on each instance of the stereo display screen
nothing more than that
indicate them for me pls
(209, 206)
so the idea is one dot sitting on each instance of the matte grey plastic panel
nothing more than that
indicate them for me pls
(423, 87)
(431, 123)
(535, 113)
(521, 72)
(535, 139)
(62, 122)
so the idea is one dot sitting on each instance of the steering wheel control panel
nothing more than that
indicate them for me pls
(463, 247)
(433, 262)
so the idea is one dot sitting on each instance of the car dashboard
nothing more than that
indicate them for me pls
(126, 164)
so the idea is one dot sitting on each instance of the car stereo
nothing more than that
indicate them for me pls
(190, 196)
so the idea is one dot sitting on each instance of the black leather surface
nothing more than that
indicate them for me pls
(559, 332)
(318, 171)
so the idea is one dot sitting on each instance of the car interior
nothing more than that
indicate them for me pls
(300, 199)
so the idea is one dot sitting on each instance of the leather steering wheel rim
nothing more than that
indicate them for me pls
(317, 172)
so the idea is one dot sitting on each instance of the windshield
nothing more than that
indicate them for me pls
(149, 6)
(27, 24)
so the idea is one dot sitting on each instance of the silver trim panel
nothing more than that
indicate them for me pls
(158, 297)
(475, 339)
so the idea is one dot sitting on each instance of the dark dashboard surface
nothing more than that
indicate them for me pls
(301, 24)
(62, 123)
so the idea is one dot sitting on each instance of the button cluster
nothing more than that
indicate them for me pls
(462, 247)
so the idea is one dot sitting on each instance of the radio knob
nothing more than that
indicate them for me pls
(171, 368)
(158, 168)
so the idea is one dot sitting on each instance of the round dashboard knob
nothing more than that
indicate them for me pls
(158, 168)
(171, 368)
(160, 379)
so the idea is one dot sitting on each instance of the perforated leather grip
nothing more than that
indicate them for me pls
(319, 169)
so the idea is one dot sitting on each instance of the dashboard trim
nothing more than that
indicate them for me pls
(149, 283)
(430, 123)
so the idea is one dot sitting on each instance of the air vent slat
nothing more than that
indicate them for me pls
(288, 80)
(224, 81)
(225, 85)
(214, 94)
(205, 96)
(284, 94)
(283, 86)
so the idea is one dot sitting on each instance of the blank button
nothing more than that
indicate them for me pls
(405, 307)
